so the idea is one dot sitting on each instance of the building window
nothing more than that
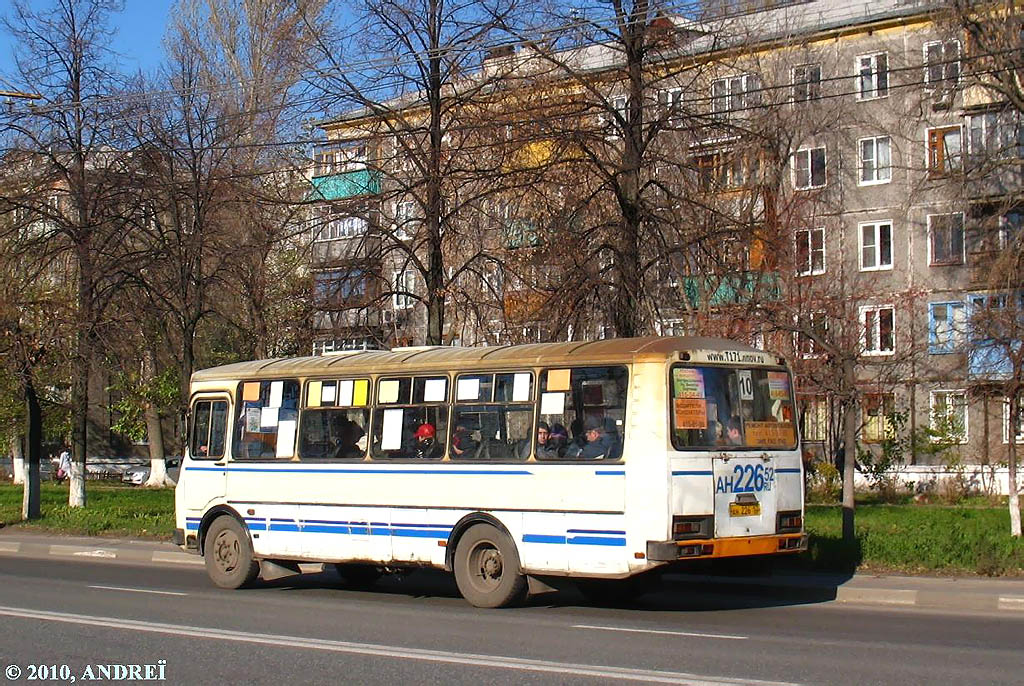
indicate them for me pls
(809, 168)
(671, 102)
(1017, 425)
(813, 325)
(947, 323)
(735, 93)
(946, 238)
(949, 416)
(875, 160)
(810, 251)
(725, 170)
(335, 286)
(806, 82)
(942, 65)
(995, 136)
(877, 409)
(335, 224)
(878, 325)
(872, 76)
(404, 285)
(944, 152)
(875, 246)
(815, 419)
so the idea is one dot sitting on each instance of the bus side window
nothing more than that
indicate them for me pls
(267, 418)
(410, 418)
(335, 420)
(492, 418)
(209, 427)
(572, 399)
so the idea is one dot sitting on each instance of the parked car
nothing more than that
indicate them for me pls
(140, 474)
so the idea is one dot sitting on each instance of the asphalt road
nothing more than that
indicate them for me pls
(416, 630)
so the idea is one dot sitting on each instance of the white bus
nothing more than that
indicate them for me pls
(596, 460)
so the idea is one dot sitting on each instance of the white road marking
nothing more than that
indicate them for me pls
(177, 558)
(660, 631)
(1011, 603)
(77, 550)
(137, 590)
(6, 547)
(438, 656)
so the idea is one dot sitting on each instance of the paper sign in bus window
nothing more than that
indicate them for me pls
(520, 388)
(552, 403)
(468, 389)
(360, 392)
(268, 418)
(330, 392)
(345, 393)
(276, 393)
(769, 434)
(746, 384)
(252, 420)
(778, 385)
(391, 430)
(286, 438)
(251, 391)
(315, 393)
(558, 379)
(388, 391)
(691, 413)
(434, 390)
(688, 383)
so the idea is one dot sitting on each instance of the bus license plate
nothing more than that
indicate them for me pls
(744, 509)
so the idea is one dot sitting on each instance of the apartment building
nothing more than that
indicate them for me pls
(831, 186)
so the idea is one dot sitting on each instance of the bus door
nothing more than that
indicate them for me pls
(202, 478)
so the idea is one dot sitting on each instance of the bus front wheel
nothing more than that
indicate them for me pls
(487, 568)
(228, 554)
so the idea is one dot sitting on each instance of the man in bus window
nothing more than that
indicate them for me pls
(463, 443)
(598, 445)
(426, 447)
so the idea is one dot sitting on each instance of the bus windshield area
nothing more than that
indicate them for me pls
(732, 408)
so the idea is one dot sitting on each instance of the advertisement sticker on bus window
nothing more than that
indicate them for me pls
(252, 420)
(315, 391)
(345, 393)
(558, 379)
(687, 383)
(251, 391)
(391, 430)
(286, 438)
(468, 389)
(330, 392)
(746, 384)
(778, 385)
(520, 388)
(276, 393)
(691, 413)
(552, 403)
(434, 390)
(268, 418)
(388, 391)
(360, 392)
(769, 434)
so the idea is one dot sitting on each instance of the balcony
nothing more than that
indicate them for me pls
(734, 289)
(350, 184)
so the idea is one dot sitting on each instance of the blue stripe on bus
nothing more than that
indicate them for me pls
(459, 472)
(594, 531)
(542, 538)
(692, 472)
(610, 472)
(595, 540)
(192, 526)
(788, 470)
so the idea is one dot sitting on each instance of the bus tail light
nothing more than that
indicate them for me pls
(790, 522)
(684, 528)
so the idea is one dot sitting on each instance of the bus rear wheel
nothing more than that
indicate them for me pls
(228, 554)
(487, 568)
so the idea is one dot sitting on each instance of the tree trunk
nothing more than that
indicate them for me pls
(34, 431)
(1011, 454)
(157, 463)
(849, 447)
(18, 459)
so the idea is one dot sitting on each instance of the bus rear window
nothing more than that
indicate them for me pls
(725, 407)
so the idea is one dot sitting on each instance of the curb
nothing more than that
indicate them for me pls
(114, 554)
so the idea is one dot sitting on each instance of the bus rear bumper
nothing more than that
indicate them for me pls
(668, 551)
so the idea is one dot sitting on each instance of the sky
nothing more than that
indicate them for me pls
(139, 38)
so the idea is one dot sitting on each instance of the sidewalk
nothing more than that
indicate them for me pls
(950, 594)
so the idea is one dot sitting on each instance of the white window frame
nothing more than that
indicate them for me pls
(963, 240)
(873, 93)
(800, 339)
(808, 269)
(810, 170)
(932, 401)
(670, 102)
(955, 321)
(805, 83)
(877, 172)
(403, 280)
(876, 333)
(737, 87)
(1019, 438)
(928, 83)
(878, 266)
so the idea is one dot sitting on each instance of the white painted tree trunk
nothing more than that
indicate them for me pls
(76, 493)
(18, 458)
(158, 477)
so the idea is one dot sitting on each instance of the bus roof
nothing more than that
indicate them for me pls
(445, 357)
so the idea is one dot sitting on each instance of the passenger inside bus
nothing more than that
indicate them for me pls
(426, 447)
(599, 445)
(463, 442)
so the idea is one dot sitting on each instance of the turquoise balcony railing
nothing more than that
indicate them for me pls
(736, 289)
(350, 184)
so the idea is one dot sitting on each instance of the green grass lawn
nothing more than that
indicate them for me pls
(113, 510)
(905, 538)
